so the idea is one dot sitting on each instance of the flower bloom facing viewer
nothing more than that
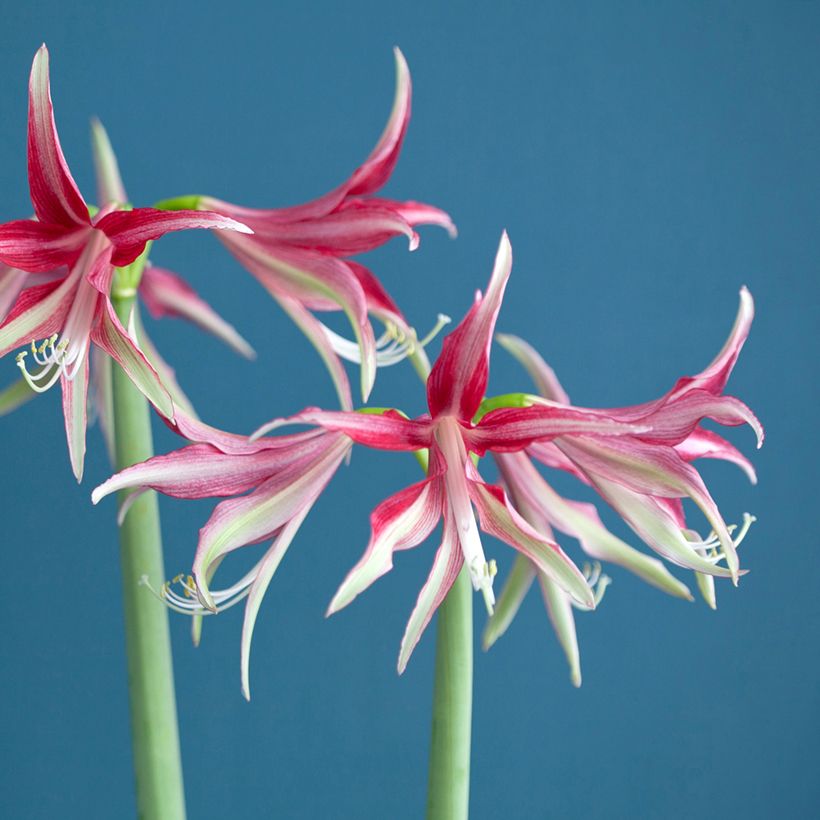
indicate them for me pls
(453, 486)
(300, 254)
(76, 254)
(275, 482)
(643, 477)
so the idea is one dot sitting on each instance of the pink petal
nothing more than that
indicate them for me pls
(705, 444)
(543, 376)
(383, 431)
(54, 193)
(166, 294)
(75, 402)
(316, 281)
(39, 247)
(252, 518)
(559, 609)
(400, 522)
(38, 312)
(446, 567)
(112, 337)
(103, 401)
(513, 428)
(131, 230)
(459, 377)
(12, 281)
(358, 227)
(315, 333)
(418, 213)
(550, 455)
(378, 167)
(499, 519)
(378, 299)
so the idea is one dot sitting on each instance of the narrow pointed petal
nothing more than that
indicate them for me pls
(102, 381)
(165, 372)
(498, 518)
(509, 601)
(54, 193)
(266, 569)
(306, 276)
(706, 587)
(110, 188)
(706, 444)
(513, 428)
(314, 331)
(252, 518)
(166, 294)
(419, 213)
(131, 230)
(446, 567)
(357, 227)
(459, 377)
(38, 312)
(542, 375)
(112, 337)
(530, 492)
(12, 281)
(75, 404)
(656, 527)
(559, 609)
(377, 168)
(400, 522)
(383, 431)
(38, 247)
(713, 379)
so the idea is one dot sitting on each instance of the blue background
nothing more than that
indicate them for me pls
(647, 159)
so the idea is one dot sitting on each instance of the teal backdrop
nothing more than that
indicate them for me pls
(648, 159)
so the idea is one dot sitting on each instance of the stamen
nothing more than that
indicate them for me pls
(597, 580)
(392, 347)
(186, 602)
(54, 359)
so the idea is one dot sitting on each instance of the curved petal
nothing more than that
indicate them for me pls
(513, 428)
(458, 379)
(418, 213)
(702, 443)
(515, 588)
(400, 522)
(498, 518)
(559, 609)
(75, 404)
(166, 294)
(12, 281)
(543, 376)
(54, 193)
(446, 566)
(38, 247)
(112, 337)
(382, 431)
(131, 230)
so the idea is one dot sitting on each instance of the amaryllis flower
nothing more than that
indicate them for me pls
(79, 252)
(300, 255)
(453, 486)
(274, 483)
(646, 475)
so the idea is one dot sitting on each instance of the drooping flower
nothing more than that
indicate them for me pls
(301, 255)
(78, 254)
(643, 477)
(455, 389)
(271, 485)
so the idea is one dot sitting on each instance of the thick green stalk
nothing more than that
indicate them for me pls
(155, 738)
(448, 785)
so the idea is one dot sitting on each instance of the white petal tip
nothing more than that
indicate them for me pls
(413, 241)
(575, 677)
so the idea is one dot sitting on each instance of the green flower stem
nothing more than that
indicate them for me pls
(448, 783)
(155, 738)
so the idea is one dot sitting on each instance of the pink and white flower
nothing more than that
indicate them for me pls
(301, 255)
(453, 487)
(78, 254)
(270, 486)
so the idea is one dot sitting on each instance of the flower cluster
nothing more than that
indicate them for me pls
(64, 270)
